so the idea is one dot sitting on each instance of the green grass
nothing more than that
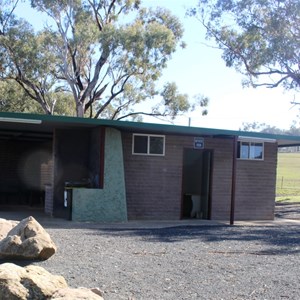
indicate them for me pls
(288, 177)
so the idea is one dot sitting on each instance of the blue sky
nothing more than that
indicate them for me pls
(200, 69)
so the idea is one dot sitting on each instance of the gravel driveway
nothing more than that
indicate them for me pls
(182, 262)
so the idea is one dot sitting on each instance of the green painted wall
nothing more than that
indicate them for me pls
(107, 204)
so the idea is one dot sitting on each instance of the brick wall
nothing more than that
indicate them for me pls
(153, 184)
(221, 182)
(49, 200)
(255, 186)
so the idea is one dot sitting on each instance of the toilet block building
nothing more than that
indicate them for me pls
(113, 171)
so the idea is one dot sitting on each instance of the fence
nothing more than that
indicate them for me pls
(284, 183)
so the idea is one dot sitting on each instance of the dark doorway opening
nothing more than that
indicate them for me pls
(196, 184)
(78, 163)
(26, 167)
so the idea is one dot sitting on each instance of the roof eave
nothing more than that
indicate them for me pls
(282, 140)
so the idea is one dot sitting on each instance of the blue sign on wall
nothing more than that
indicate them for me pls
(198, 143)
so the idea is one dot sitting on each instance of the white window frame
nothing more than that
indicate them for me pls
(251, 142)
(148, 144)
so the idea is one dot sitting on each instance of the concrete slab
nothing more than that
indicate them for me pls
(48, 221)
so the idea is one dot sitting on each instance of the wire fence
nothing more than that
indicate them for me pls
(287, 183)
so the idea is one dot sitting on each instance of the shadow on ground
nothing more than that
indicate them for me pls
(278, 239)
(274, 240)
(288, 211)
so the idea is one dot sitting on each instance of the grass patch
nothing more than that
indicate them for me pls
(288, 178)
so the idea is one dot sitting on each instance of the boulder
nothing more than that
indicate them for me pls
(6, 226)
(27, 240)
(35, 283)
(78, 294)
(31, 282)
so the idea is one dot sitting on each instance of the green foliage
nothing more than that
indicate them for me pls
(174, 102)
(14, 99)
(263, 127)
(259, 38)
(104, 55)
(28, 59)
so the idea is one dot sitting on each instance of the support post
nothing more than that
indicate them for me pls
(102, 157)
(233, 180)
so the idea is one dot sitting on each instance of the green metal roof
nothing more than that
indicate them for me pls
(46, 124)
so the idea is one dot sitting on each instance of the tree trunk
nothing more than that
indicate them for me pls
(80, 110)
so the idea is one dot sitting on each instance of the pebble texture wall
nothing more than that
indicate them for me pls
(107, 204)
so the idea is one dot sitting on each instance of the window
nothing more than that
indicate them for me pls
(145, 144)
(250, 150)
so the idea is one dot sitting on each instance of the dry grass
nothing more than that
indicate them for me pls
(288, 177)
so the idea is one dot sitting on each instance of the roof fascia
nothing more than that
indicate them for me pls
(151, 127)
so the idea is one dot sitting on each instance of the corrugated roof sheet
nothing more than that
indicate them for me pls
(18, 121)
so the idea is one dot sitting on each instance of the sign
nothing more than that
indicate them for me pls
(198, 143)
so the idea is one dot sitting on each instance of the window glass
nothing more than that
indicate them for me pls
(140, 144)
(148, 144)
(156, 145)
(250, 150)
(257, 151)
(244, 150)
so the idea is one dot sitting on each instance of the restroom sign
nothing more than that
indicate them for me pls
(198, 143)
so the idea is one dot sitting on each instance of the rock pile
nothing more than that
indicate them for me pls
(28, 240)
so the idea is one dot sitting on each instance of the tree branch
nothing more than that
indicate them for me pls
(113, 95)
(99, 25)
(37, 97)
(75, 69)
(142, 113)
(9, 15)
(111, 6)
(119, 109)
(272, 85)
(236, 51)
(95, 97)
(98, 67)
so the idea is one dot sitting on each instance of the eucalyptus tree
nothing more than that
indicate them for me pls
(15, 99)
(12, 98)
(260, 39)
(26, 57)
(107, 54)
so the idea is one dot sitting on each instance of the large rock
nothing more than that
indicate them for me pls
(27, 240)
(35, 283)
(31, 282)
(78, 294)
(6, 226)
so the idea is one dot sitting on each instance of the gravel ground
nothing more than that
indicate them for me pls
(184, 262)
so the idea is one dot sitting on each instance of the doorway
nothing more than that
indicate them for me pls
(26, 167)
(196, 184)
